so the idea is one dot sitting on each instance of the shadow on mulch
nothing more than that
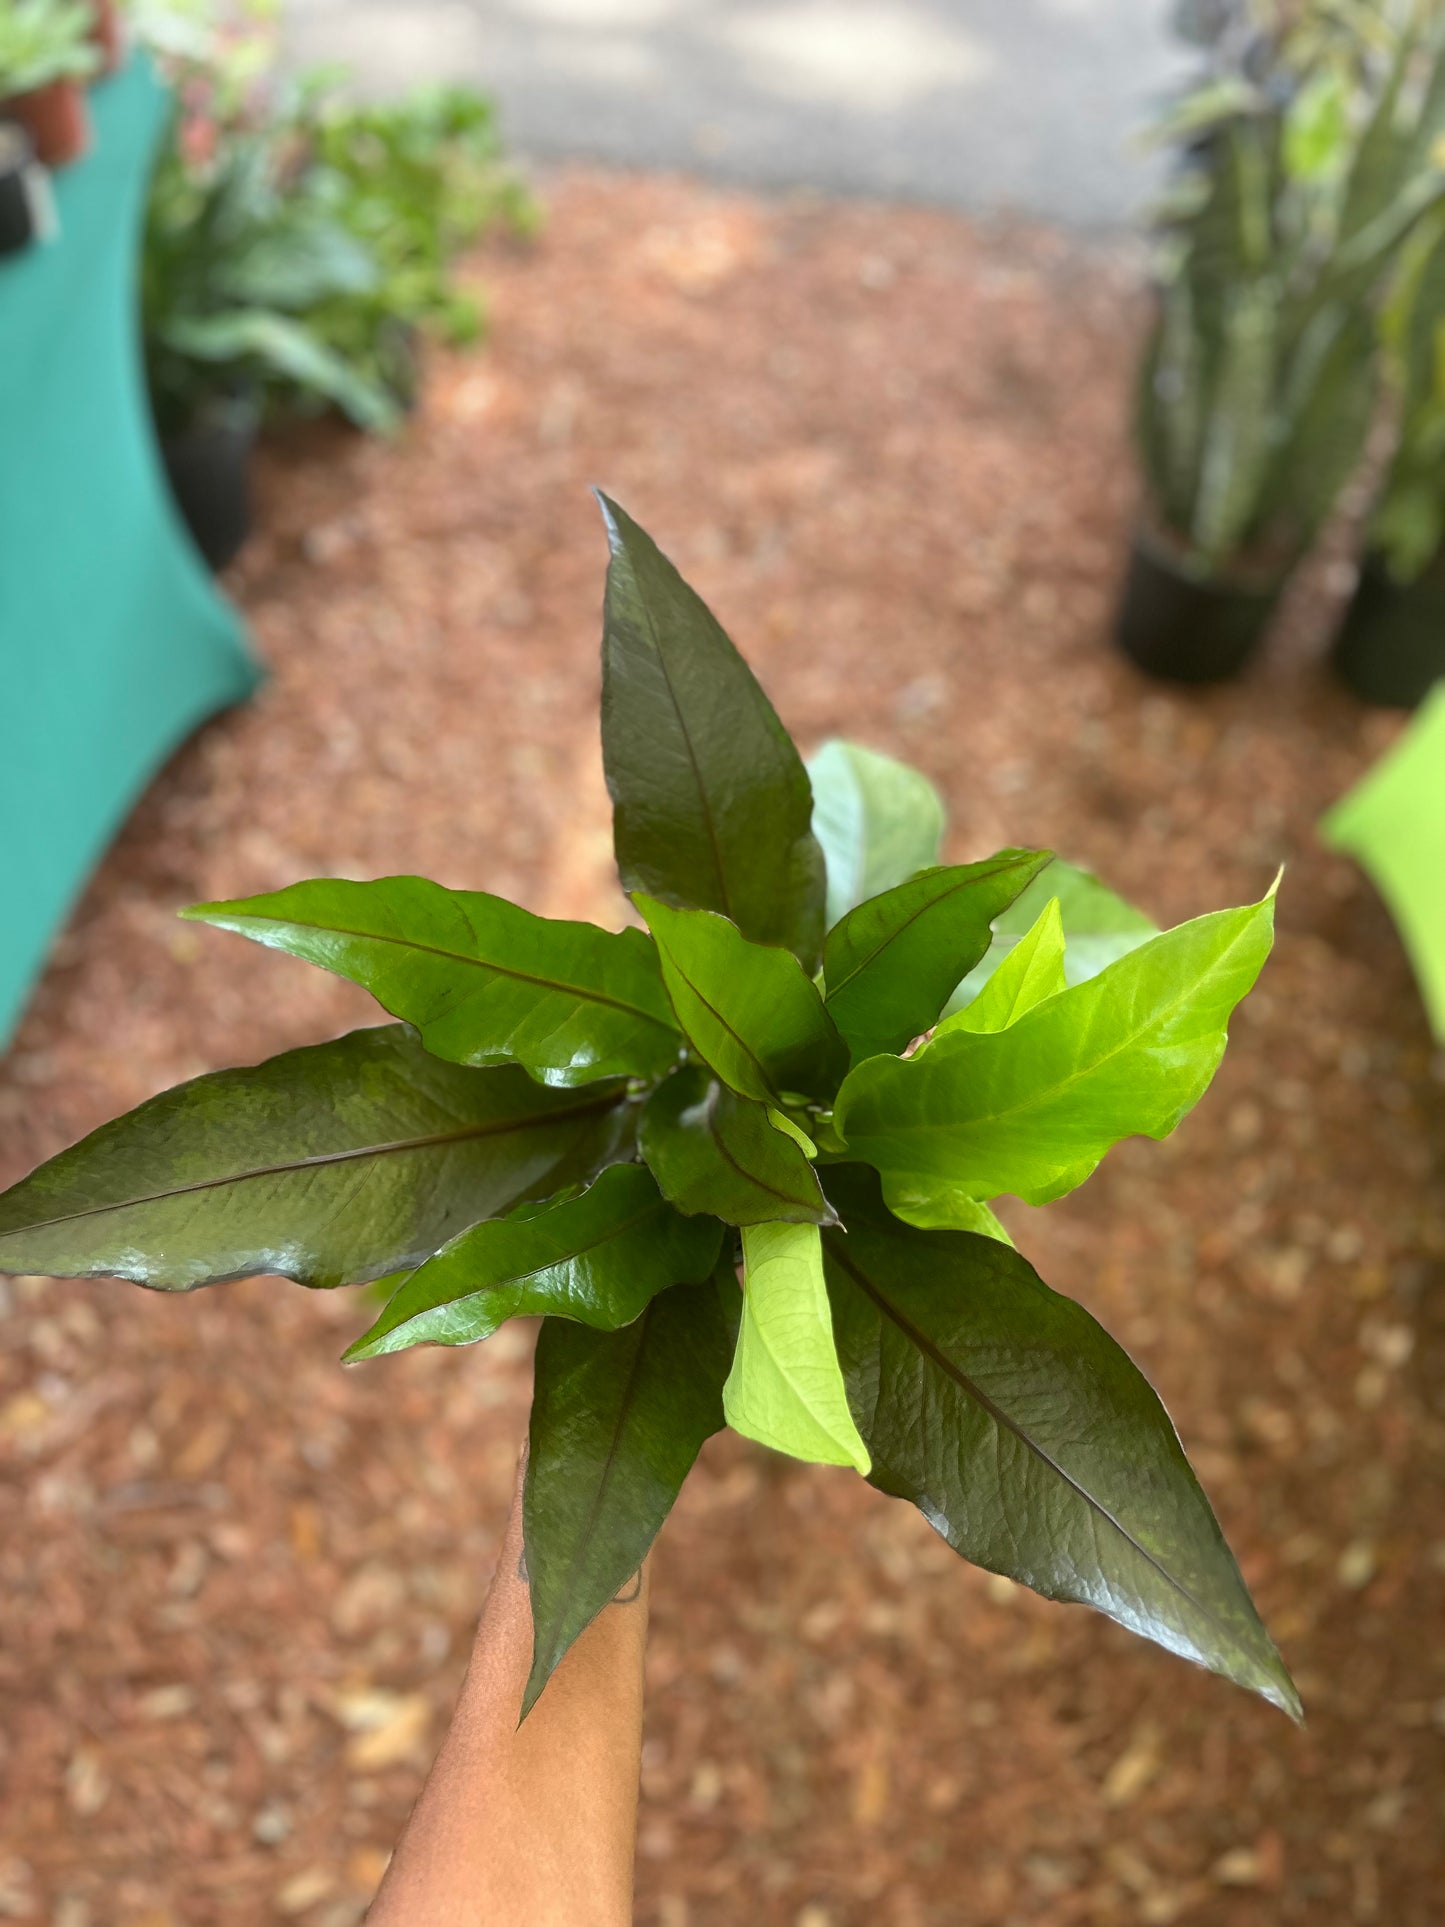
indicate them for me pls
(238, 1583)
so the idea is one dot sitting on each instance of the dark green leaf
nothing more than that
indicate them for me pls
(890, 965)
(483, 981)
(714, 1151)
(1029, 1440)
(600, 1258)
(1031, 1110)
(711, 804)
(329, 1165)
(878, 822)
(748, 1009)
(617, 1420)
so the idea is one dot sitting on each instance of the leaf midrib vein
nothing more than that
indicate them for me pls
(1001, 1418)
(704, 800)
(477, 963)
(492, 1127)
(752, 1177)
(963, 883)
(594, 1512)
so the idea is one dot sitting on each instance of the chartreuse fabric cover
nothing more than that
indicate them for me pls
(1393, 824)
(114, 644)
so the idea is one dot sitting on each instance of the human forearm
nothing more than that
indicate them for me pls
(530, 1824)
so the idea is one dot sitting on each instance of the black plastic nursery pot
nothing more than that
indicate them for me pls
(1186, 628)
(1391, 646)
(208, 465)
(22, 189)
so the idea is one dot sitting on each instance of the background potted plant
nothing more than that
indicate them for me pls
(596, 1127)
(1306, 164)
(1391, 644)
(46, 53)
(296, 247)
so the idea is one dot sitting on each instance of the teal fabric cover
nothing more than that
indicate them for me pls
(114, 643)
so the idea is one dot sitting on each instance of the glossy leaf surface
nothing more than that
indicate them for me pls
(617, 1420)
(748, 1009)
(1029, 974)
(878, 822)
(711, 804)
(599, 1258)
(330, 1165)
(890, 965)
(1028, 1439)
(484, 981)
(1031, 1110)
(1099, 927)
(713, 1151)
(785, 1388)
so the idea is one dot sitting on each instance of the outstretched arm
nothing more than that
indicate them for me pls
(533, 1825)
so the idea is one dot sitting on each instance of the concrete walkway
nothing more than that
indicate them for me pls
(992, 105)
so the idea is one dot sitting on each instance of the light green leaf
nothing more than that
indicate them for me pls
(1031, 1110)
(1393, 823)
(780, 1121)
(483, 981)
(749, 1010)
(889, 966)
(1099, 927)
(785, 1389)
(599, 1258)
(877, 820)
(1031, 972)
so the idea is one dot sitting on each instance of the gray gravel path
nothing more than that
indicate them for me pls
(990, 105)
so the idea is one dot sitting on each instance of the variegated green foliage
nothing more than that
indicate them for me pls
(823, 1067)
(1303, 181)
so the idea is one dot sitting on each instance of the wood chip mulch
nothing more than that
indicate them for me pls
(238, 1583)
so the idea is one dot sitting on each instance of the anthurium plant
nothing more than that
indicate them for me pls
(740, 1160)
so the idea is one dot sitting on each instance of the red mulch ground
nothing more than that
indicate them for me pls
(238, 1583)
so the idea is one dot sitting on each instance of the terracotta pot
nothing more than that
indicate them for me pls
(1184, 628)
(107, 34)
(56, 118)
